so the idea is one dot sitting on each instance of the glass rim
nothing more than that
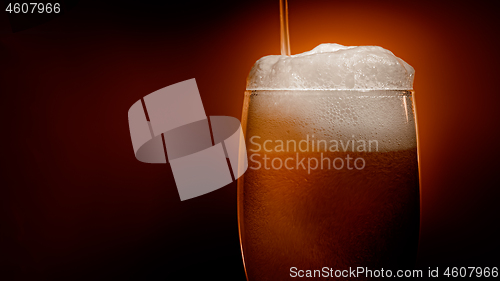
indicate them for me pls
(329, 90)
(350, 92)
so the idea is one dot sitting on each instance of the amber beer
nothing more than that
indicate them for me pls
(330, 216)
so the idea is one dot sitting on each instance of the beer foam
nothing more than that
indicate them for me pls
(381, 117)
(333, 67)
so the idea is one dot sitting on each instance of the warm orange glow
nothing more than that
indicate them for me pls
(77, 200)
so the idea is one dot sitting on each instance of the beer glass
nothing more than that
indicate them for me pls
(332, 182)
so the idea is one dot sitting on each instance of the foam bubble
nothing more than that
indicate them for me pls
(333, 67)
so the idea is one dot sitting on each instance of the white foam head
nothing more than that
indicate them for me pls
(333, 67)
(362, 94)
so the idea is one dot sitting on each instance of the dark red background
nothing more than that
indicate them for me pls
(75, 203)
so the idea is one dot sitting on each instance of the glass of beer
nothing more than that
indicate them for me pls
(333, 179)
